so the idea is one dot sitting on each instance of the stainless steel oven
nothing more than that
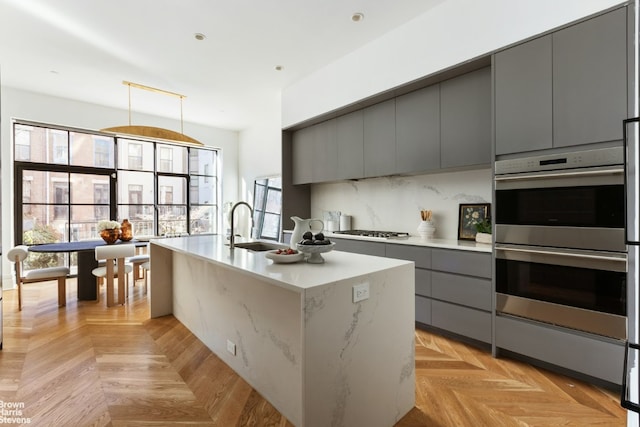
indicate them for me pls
(560, 240)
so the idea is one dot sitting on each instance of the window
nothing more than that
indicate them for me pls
(101, 198)
(22, 140)
(67, 179)
(267, 208)
(135, 156)
(165, 162)
(61, 199)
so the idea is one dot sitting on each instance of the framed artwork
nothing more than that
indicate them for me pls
(469, 215)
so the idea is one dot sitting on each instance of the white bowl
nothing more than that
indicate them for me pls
(314, 251)
(284, 258)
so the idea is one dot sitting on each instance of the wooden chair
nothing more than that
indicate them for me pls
(17, 255)
(115, 267)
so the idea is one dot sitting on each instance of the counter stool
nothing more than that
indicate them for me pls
(115, 266)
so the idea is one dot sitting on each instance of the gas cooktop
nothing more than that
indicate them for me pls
(375, 233)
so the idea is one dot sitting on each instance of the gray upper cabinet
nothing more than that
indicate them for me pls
(380, 139)
(590, 80)
(324, 162)
(302, 153)
(418, 130)
(350, 142)
(465, 111)
(523, 97)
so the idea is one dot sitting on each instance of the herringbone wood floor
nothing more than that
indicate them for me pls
(85, 365)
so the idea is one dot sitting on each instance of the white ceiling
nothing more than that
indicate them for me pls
(84, 49)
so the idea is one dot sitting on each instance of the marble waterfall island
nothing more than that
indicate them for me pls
(293, 331)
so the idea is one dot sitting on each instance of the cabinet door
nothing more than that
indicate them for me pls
(465, 109)
(324, 161)
(418, 130)
(590, 80)
(302, 151)
(359, 247)
(350, 142)
(523, 97)
(380, 139)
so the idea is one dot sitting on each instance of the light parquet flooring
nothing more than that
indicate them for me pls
(86, 365)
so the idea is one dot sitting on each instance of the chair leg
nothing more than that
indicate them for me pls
(62, 291)
(19, 297)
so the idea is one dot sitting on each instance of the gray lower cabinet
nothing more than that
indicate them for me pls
(359, 246)
(350, 142)
(601, 359)
(418, 130)
(461, 293)
(523, 97)
(380, 139)
(452, 287)
(465, 113)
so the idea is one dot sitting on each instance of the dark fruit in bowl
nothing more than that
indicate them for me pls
(307, 236)
(307, 242)
(319, 236)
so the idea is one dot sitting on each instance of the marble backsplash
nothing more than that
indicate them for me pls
(394, 203)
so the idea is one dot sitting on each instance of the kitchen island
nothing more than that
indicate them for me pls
(292, 331)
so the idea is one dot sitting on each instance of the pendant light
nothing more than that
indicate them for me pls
(151, 131)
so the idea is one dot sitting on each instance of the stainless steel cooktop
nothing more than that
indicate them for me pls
(375, 233)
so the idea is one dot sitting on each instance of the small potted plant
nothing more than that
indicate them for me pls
(483, 231)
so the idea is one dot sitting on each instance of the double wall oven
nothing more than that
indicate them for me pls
(561, 255)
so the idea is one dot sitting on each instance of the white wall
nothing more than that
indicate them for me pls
(451, 33)
(20, 104)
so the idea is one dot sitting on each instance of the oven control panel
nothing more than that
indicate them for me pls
(572, 160)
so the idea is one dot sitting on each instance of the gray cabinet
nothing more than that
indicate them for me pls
(461, 293)
(465, 109)
(324, 162)
(380, 139)
(350, 142)
(590, 80)
(575, 351)
(301, 153)
(523, 97)
(359, 246)
(564, 89)
(418, 130)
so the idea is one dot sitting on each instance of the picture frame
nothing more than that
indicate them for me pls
(470, 214)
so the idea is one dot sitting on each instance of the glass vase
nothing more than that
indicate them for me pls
(126, 233)
(110, 236)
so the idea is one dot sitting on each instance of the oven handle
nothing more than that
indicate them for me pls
(564, 257)
(545, 175)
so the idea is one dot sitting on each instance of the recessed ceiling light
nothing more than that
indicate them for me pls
(357, 17)
(199, 36)
(279, 67)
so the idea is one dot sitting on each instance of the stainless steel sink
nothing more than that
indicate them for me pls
(260, 246)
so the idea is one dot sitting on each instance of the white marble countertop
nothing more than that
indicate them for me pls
(463, 245)
(295, 276)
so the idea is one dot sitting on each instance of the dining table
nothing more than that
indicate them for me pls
(87, 290)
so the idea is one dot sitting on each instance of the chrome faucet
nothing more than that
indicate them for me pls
(232, 237)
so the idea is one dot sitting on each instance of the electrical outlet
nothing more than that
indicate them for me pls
(231, 347)
(360, 292)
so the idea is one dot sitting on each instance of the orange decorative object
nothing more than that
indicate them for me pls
(126, 233)
(110, 235)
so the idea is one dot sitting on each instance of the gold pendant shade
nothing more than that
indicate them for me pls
(150, 131)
